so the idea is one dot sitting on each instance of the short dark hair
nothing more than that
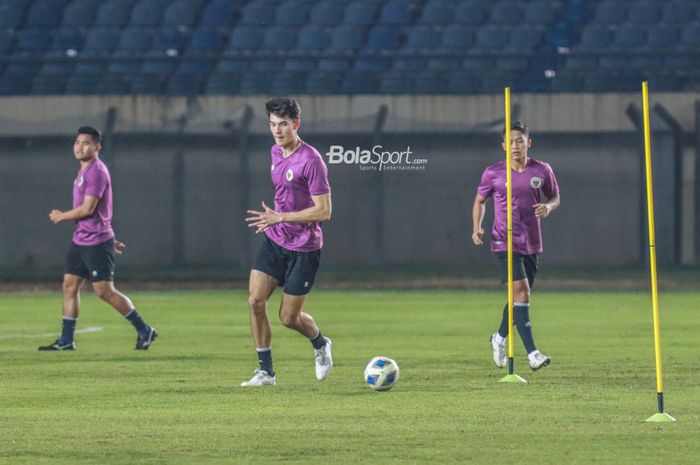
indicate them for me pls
(283, 107)
(519, 126)
(94, 133)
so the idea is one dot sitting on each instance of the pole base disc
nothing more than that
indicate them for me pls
(512, 379)
(661, 418)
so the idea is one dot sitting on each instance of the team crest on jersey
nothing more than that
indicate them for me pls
(536, 182)
(272, 168)
(289, 175)
(80, 181)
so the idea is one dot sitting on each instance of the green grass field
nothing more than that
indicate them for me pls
(180, 403)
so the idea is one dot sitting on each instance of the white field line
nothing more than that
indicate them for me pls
(89, 329)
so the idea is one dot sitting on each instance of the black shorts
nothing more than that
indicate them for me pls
(524, 266)
(295, 271)
(93, 262)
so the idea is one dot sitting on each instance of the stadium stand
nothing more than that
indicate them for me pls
(186, 47)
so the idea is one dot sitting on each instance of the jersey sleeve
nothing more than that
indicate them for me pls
(96, 182)
(550, 187)
(317, 177)
(485, 188)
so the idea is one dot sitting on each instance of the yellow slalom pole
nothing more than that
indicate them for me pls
(510, 377)
(660, 415)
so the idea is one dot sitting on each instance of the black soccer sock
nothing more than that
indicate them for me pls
(141, 327)
(319, 341)
(521, 315)
(67, 329)
(503, 329)
(265, 359)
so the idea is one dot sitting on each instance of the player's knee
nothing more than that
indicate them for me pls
(290, 321)
(70, 287)
(256, 304)
(103, 292)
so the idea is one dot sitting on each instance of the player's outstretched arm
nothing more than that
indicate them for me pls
(478, 211)
(320, 211)
(83, 211)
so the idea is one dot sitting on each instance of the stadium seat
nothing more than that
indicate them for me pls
(345, 39)
(279, 38)
(470, 13)
(10, 16)
(288, 82)
(358, 83)
(219, 14)
(80, 13)
(313, 39)
(100, 42)
(360, 13)
(644, 13)
(320, 83)
(395, 82)
(292, 13)
(245, 39)
(187, 84)
(559, 36)
(437, 12)
(232, 65)
(457, 38)
(206, 41)
(627, 38)
(575, 12)
(113, 85)
(395, 12)
(15, 85)
(326, 13)
(430, 83)
(373, 64)
(45, 14)
(256, 84)
(382, 38)
(463, 82)
(32, 42)
(663, 36)
(541, 12)
(146, 85)
(114, 13)
(678, 11)
(48, 84)
(422, 39)
(690, 37)
(181, 13)
(81, 85)
(258, 13)
(611, 12)
(307, 64)
(170, 41)
(147, 13)
(595, 37)
(567, 82)
(491, 38)
(222, 84)
(505, 12)
(66, 44)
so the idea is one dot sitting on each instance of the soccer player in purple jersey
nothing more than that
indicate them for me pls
(535, 196)
(91, 252)
(291, 253)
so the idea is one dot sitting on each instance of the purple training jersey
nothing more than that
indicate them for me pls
(296, 178)
(529, 187)
(93, 180)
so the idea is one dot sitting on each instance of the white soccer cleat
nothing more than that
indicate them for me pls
(324, 361)
(499, 352)
(261, 378)
(538, 360)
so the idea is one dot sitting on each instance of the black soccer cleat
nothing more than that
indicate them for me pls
(58, 345)
(143, 343)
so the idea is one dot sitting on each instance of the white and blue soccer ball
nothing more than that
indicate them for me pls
(381, 373)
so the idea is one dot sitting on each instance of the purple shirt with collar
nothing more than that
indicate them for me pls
(296, 178)
(93, 180)
(529, 187)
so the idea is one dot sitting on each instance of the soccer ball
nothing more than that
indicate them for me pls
(381, 373)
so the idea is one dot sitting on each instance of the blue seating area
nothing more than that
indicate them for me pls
(229, 47)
